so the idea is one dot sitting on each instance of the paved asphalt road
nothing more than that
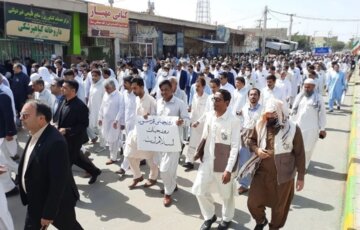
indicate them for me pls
(110, 205)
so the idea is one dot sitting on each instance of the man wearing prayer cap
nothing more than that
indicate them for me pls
(278, 143)
(309, 114)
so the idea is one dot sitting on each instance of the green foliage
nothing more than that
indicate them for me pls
(303, 41)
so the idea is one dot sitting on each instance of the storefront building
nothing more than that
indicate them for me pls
(99, 32)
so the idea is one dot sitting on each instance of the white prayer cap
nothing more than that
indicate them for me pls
(34, 77)
(309, 81)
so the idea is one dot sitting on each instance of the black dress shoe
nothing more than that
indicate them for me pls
(12, 192)
(94, 177)
(162, 191)
(207, 223)
(261, 226)
(224, 225)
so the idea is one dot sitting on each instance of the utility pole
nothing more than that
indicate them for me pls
(264, 32)
(290, 27)
(116, 41)
(259, 21)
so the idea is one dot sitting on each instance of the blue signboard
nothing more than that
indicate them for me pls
(322, 50)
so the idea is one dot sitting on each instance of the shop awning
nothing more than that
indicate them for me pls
(214, 42)
(277, 46)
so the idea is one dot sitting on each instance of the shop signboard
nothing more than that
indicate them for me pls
(37, 24)
(108, 22)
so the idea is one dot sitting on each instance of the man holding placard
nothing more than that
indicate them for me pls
(170, 106)
(145, 106)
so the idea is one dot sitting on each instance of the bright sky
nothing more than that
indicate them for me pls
(243, 14)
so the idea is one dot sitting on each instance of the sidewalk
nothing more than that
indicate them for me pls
(351, 214)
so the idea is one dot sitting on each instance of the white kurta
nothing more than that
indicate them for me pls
(96, 94)
(229, 87)
(130, 110)
(6, 222)
(260, 79)
(214, 132)
(156, 89)
(45, 97)
(197, 110)
(8, 149)
(311, 118)
(285, 86)
(295, 80)
(111, 111)
(169, 161)
(268, 93)
(224, 130)
(145, 105)
(240, 99)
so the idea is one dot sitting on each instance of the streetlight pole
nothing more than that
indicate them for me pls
(264, 32)
(290, 27)
(313, 40)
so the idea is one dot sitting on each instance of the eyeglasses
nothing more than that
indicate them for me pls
(217, 99)
(24, 116)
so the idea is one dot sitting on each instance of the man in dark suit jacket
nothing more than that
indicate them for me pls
(72, 123)
(19, 84)
(55, 88)
(7, 124)
(207, 72)
(183, 76)
(191, 79)
(46, 183)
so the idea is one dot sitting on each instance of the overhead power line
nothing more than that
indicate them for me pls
(317, 19)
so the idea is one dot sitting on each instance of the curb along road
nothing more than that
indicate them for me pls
(351, 213)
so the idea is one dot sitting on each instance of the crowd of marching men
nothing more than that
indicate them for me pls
(221, 103)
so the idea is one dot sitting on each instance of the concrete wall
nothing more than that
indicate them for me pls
(280, 33)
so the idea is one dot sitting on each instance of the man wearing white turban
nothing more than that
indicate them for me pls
(278, 143)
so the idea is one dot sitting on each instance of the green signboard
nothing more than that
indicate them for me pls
(38, 24)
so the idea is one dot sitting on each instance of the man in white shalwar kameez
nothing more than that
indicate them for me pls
(309, 114)
(6, 221)
(164, 75)
(111, 118)
(169, 105)
(240, 96)
(129, 116)
(284, 84)
(9, 148)
(295, 80)
(70, 75)
(209, 106)
(145, 106)
(41, 93)
(272, 91)
(218, 162)
(95, 98)
(197, 110)
(7, 143)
